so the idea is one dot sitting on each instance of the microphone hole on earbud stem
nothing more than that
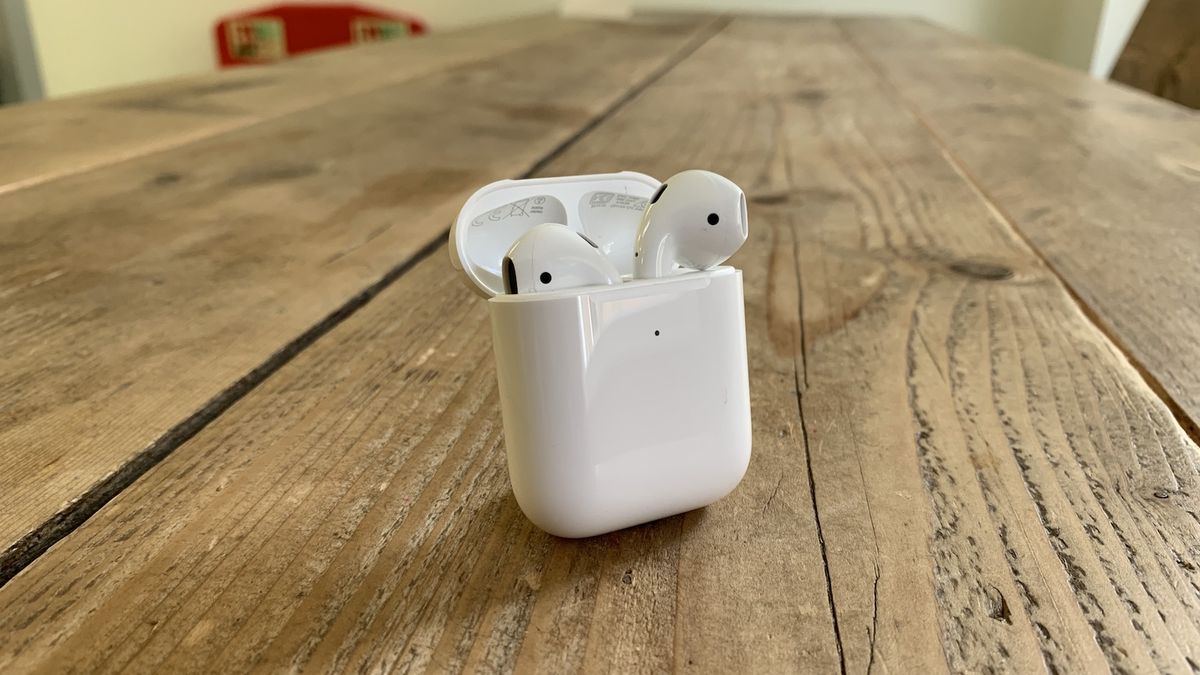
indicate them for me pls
(545, 277)
(713, 219)
(656, 332)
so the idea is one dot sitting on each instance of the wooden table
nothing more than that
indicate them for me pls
(249, 416)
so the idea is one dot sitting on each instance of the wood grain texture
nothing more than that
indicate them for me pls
(954, 469)
(48, 140)
(1103, 181)
(396, 538)
(976, 482)
(141, 300)
(1162, 56)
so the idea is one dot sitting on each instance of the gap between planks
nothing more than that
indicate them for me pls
(801, 378)
(1184, 421)
(30, 547)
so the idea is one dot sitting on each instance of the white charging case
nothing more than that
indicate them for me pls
(621, 404)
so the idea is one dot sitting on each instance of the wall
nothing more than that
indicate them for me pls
(19, 78)
(94, 44)
(1116, 25)
(82, 46)
(1062, 30)
(8, 84)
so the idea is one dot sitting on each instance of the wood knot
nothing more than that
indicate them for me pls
(811, 96)
(271, 173)
(167, 178)
(769, 198)
(981, 270)
(804, 196)
(997, 605)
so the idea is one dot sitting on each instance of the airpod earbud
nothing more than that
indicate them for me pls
(697, 219)
(551, 257)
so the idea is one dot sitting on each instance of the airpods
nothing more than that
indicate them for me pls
(623, 399)
(551, 257)
(696, 220)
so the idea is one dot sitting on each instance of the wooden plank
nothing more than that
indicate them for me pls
(953, 469)
(66, 136)
(963, 401)
(1162, 56)
(1103, 181)
(140, 301)
(401, 532)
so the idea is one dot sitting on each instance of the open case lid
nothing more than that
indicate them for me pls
(606, 207)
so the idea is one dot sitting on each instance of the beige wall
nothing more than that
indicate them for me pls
(8, 86)
(96, 44)
(1116, 25)
(84, 45)
(18, 63)
(1063, 30)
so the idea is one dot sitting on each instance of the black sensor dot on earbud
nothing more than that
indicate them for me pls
(713, 219)
(545, 278)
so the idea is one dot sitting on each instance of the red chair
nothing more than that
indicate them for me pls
(281, 31)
